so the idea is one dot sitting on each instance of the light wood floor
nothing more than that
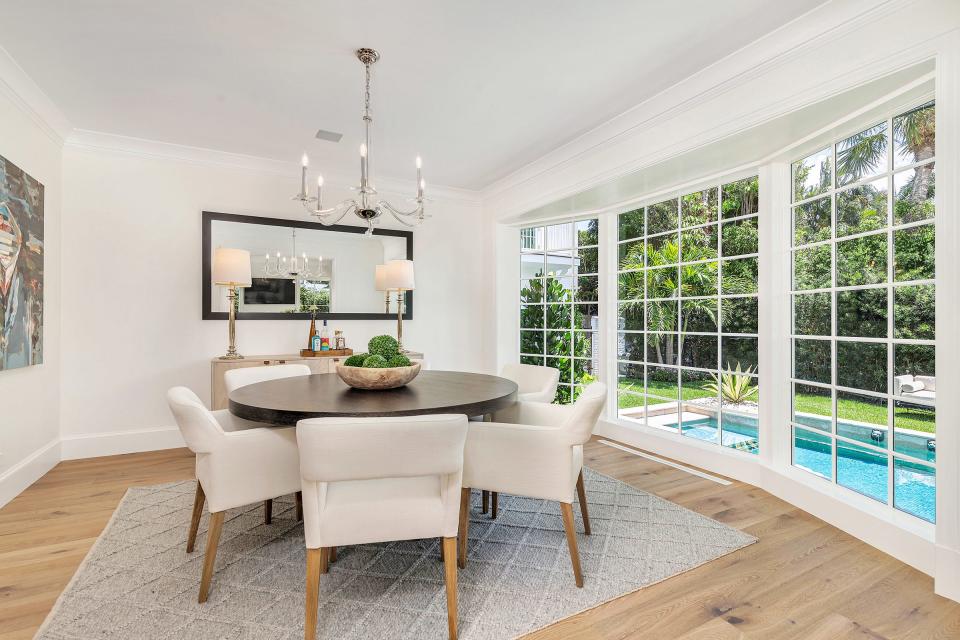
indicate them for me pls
(804, 579)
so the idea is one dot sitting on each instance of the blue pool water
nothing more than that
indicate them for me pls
(858, 468)
(739, 432)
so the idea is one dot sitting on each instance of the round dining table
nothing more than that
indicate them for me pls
(286, 401)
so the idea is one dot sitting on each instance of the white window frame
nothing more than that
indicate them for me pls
(888, 174)
(719, 297)
(574, 248)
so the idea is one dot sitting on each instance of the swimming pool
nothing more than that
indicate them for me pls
(863, 470)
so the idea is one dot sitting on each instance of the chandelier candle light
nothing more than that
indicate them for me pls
(368, 206)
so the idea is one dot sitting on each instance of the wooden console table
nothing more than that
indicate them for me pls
(317, 364)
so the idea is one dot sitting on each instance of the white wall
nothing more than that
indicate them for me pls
(30, 396)
(132, 298)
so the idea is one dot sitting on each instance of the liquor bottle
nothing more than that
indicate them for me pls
(313, 332)
(324, 338)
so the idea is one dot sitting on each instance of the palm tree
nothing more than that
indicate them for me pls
(914, 132)
(664, 284)
(859, 155)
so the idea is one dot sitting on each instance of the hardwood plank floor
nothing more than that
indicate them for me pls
(804, 579)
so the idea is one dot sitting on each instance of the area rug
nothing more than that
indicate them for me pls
(138, 581)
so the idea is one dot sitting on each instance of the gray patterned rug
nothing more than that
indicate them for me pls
(138, 582)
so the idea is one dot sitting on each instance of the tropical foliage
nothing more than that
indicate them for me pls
(863, 260)
(734, 386)
(314, 296)
(555, 333)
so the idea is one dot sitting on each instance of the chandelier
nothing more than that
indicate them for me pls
(294, 267)
(367, 206)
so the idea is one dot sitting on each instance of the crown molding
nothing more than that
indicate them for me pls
(101, 142)
(23, 92)
(816, 29)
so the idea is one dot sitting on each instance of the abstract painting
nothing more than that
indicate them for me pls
(21, 268)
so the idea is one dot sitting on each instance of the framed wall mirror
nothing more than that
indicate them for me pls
(300, 267)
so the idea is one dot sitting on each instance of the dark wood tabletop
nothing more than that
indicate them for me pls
(288, 400)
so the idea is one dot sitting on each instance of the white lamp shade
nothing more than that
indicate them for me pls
(380, 277)
(231, 267)
(400, 275)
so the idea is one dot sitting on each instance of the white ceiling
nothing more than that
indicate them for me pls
(478, 89)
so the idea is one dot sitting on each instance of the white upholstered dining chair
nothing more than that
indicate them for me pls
(236, 378)
(239, 462)
(534, 384)
(368, 480)
(535, 450)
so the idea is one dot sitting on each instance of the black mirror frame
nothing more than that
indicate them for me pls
(207, 285)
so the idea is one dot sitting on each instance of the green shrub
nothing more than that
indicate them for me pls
(375, 362)
(385, 346)
(356, 360)
(399, 360)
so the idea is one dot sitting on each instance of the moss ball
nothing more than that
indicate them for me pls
(356, 360)
(399, 360)
(385, 346)
(375, 362)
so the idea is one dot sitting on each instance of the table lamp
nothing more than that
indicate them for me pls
(231, 269)
(380, 284)
(399, 278)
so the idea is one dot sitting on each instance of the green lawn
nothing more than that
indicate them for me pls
(690, 391)
(850, 409)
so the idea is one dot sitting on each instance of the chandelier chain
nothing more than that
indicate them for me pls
(366, 96)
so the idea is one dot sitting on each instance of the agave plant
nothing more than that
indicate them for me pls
(734, 386)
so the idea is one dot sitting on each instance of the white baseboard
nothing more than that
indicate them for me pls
(23, 474)
(111, 443)
(687, 450)
(947, 581)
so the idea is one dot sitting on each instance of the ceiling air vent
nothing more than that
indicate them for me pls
(331, 136)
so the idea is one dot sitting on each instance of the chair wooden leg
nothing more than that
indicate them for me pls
(314, 562)
(267, 511)
(450, 576)
(299, 498)
(494, 500)
(325, 560)
(567, 510)
(582, 495)
(484, 501)
(463, 528)
(333, 555)
(198, 501)
(210, 559)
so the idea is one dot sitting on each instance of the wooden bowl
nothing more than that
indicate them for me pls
(374, 379)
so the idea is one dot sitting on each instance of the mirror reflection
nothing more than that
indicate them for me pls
(300, 270)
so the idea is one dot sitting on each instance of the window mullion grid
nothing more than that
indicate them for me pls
(720, 332)
(867, 180)
(793, 317)
(891, 427)
(643, 369)
(834, 367)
